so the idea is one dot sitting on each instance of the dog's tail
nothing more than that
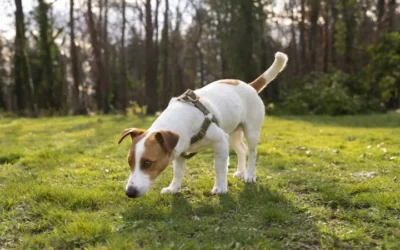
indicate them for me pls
(262, 81)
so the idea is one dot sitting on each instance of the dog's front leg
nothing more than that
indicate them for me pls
(179, 170)
(221, 156)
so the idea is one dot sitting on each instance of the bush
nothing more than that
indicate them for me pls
(326, 94)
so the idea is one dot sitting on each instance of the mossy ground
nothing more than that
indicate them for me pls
(323, 182)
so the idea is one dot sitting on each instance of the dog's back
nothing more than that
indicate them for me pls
(233, 101)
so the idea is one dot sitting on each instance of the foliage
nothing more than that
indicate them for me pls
(375, 88)
(62, 186)
(326, 94)
(382, 74)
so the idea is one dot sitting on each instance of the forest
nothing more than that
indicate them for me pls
(121, 56)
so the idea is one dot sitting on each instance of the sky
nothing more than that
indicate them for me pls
(60, 10)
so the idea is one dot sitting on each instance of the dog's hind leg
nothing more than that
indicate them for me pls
(237, 143)
(179, 170)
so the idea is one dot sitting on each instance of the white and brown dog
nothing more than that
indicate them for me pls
(240, 113)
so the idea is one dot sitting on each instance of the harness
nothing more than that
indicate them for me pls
(191, 98)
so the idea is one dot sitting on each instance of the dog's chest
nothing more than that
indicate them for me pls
(200, 145)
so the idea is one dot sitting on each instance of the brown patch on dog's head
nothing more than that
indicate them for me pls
(229, 81)
(157, 150)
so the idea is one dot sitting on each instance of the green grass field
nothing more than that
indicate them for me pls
(323, 182)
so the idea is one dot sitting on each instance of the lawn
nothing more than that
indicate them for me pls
(323, 182)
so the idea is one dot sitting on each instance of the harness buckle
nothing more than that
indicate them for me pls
(190, 97)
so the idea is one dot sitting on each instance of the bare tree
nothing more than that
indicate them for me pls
(96, 50)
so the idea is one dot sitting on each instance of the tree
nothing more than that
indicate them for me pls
(314, 15)
(244, 44)
(151, 74)
(46, 87)
(23, 87)
(302, 28)
(99, 74)
(348, 11)
(77, 104)
(2, 77)
(392, 15)
(123, 93)
(325, 38)
(380, 7)
(106, 82)
(200, 15)
(165, 57)
(334, 14)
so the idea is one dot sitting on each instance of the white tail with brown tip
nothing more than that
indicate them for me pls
(279, 64)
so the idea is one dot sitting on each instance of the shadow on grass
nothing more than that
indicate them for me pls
(257, 217)
(391, 120)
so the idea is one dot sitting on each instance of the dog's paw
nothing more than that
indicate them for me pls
(239, 175)
(219, 190)
(170, 190)
(250, 178)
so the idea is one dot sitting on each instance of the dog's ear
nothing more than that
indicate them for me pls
(167, 140)
(133, 132)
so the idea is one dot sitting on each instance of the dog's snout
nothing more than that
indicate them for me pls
(132, 192)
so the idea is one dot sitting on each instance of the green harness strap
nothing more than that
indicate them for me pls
(190, 97)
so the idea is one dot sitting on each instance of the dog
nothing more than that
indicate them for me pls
(239, 111)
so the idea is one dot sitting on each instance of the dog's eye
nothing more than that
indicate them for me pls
(146, 164)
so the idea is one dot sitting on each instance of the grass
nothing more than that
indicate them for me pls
(323, 182)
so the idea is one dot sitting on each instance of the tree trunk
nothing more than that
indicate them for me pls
(221, 39)
(100, 20)
(96, 50)
(151, 83)
(380, 7)
(303, 38)
(23, 87)
(314, 15)
(165, 57)
(392, 16)
(77, 106)
(349, 20)
(334, 14)
(246, 42)
(156, 47)
(200, 53)
(106, 81)
(325, 39)
(292, 4)
(47, 79)
(123, 92)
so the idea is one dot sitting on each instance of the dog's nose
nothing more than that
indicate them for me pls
(132, 192)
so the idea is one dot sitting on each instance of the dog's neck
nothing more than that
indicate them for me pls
(181, 118)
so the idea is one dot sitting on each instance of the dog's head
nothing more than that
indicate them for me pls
(148, 156)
